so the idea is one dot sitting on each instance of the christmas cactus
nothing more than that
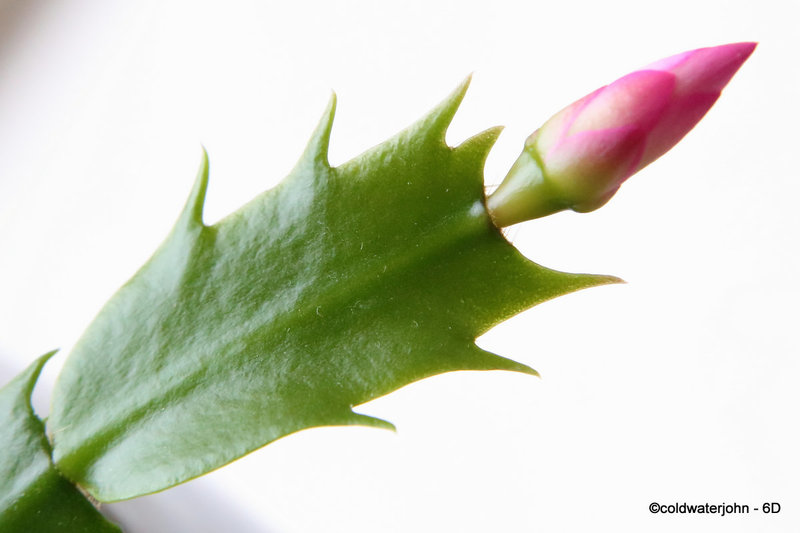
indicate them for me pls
(340, 285)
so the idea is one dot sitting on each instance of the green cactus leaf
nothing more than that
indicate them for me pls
(33, 495)
(338, 286)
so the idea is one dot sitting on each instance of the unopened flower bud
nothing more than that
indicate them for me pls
(581, 156)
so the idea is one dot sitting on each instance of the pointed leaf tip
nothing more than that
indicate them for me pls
(317, 148)
(192, 214)
(485, 360)
(439, 119)
(371, 421)
(478, 146)
(26, 380)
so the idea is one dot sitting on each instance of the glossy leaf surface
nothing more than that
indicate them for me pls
(338, 286)
(34, 497)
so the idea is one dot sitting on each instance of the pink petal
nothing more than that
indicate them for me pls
(668, 63)
(555, 129)
(681, 116)
(591, 163)
(637, 99)
(706, 70)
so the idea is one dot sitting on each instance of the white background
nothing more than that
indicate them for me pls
(679, 386)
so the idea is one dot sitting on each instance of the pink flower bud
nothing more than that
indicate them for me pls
(581, 156)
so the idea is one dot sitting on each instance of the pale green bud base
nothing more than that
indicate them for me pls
(525, 194)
